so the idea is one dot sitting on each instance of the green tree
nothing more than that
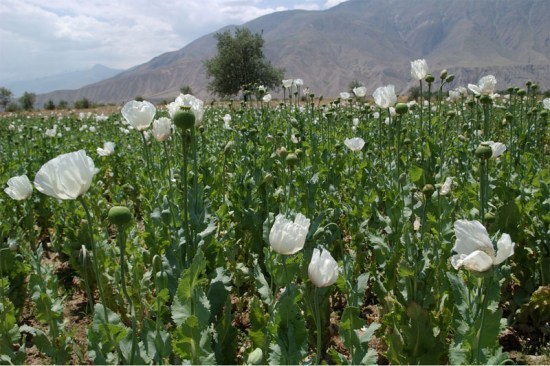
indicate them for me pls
(49, 105)
(27, 101)
(240, 62)
(83, 103)
(5, 97)
(186, 89)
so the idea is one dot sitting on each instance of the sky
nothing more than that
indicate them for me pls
(41, 38)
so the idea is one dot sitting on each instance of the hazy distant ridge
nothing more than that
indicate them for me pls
(372, 41)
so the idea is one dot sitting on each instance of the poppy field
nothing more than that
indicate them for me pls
(367, 229)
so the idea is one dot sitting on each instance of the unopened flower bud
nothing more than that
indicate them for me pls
(443, 74)
(450, 78)
(489, 217)
(429, 78)
(282, 152)
(292, 159)
(228, 149)
(428, 190)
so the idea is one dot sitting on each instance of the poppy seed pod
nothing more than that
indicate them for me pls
(485, 99)
(119, 215)
(443, 74)
(184, 119)
(484, 152)
(450, 78)
(401, 108)
(521, 92)
(430, 78)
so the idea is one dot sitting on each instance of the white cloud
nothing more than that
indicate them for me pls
(40, 38)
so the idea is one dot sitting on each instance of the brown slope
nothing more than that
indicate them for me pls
(372, 41)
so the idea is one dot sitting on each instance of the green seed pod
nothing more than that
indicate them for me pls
(450, 114)
(443, 74)
(522, 92)
(402, 178)
(484, 152)
(485, 99)
(509, 117)
(470, 103)
(528, 83)
(184, 119)
(299, 153)
(407, 141)
(461, 138)
(428, 190)
(119, 215)
(510, 89)
(450, 78)
(544, 113)
(429, 78)
(292, 159)
(401, 108)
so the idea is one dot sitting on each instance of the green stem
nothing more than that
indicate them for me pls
(318, 325)
(122, 245)
(478, 359)
(186, 199)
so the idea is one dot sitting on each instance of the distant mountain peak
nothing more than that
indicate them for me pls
(371, 41)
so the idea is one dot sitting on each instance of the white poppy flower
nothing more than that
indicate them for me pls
(287, 237)
(108, 149)
(360, 91)
(19, 188)
(419, 69)
(187, 101)
(474, 248)
(486, 86)
(66, 176)
(446, 187)
(385, 97)
(322, 269)
(355, 144)
(162, 129)
(139, 114)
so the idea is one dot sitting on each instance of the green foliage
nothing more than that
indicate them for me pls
(49, 105)
(83, 103)
(27, 101)
(5, 97)
(240, 62)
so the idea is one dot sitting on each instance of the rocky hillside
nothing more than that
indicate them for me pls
(372, 41)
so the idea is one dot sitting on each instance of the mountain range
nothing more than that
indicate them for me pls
(371, 41)
(70, 80)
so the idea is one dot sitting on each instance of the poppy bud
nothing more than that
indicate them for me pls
(119, 215)
(443, 74)
(428, 190)
(450, 78)
(184, 119)
(430, 78)
(489, 217)
(292, 159)
(282, 152)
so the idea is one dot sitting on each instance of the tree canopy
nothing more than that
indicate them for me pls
(240, 64)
